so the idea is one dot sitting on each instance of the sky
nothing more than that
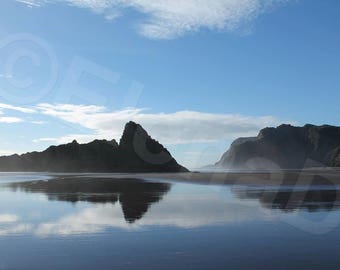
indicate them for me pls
(196, 74)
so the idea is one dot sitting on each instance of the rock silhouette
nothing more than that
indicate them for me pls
(135, 196)
(286, 147)
(137, 152)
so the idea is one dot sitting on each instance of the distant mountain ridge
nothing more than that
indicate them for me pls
(285, 147)
(136, 152)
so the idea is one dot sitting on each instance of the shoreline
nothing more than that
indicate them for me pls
(283, 177)
(263, 178)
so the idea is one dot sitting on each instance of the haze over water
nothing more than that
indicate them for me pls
(102, 223)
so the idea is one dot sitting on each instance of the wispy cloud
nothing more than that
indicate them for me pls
(6, 119)
(98, 122)
(169, 128)
(168, 19)
(16, 108)
(37, 122)
(10, 120)
(31, 3)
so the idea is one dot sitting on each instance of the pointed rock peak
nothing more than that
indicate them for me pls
(130, 131)
(113, 142)
(137, 152)
(132, 126)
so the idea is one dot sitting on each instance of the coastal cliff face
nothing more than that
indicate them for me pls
(140, 153)
(286, 147)
(137, 152)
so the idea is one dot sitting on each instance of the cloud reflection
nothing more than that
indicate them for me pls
(177, 210)
(132, 204)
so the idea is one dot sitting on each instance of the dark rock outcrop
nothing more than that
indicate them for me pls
(286, 147)
(140, 152)
(137, 152)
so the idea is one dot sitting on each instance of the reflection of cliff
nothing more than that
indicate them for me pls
(289, 198)
(135, 196)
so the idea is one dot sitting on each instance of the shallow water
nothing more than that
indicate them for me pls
(102, 223)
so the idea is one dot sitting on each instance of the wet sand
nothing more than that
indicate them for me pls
(284, 177)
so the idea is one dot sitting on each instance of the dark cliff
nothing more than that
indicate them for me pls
(286, 147)
(137, 152)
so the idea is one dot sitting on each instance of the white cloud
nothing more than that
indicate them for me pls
(16, 108)
(5, 119)
(172, 18)
(10, 120)
(31, 3)
(169, 128)
(37, 122)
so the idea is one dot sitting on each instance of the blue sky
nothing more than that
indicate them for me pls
(197, 74)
